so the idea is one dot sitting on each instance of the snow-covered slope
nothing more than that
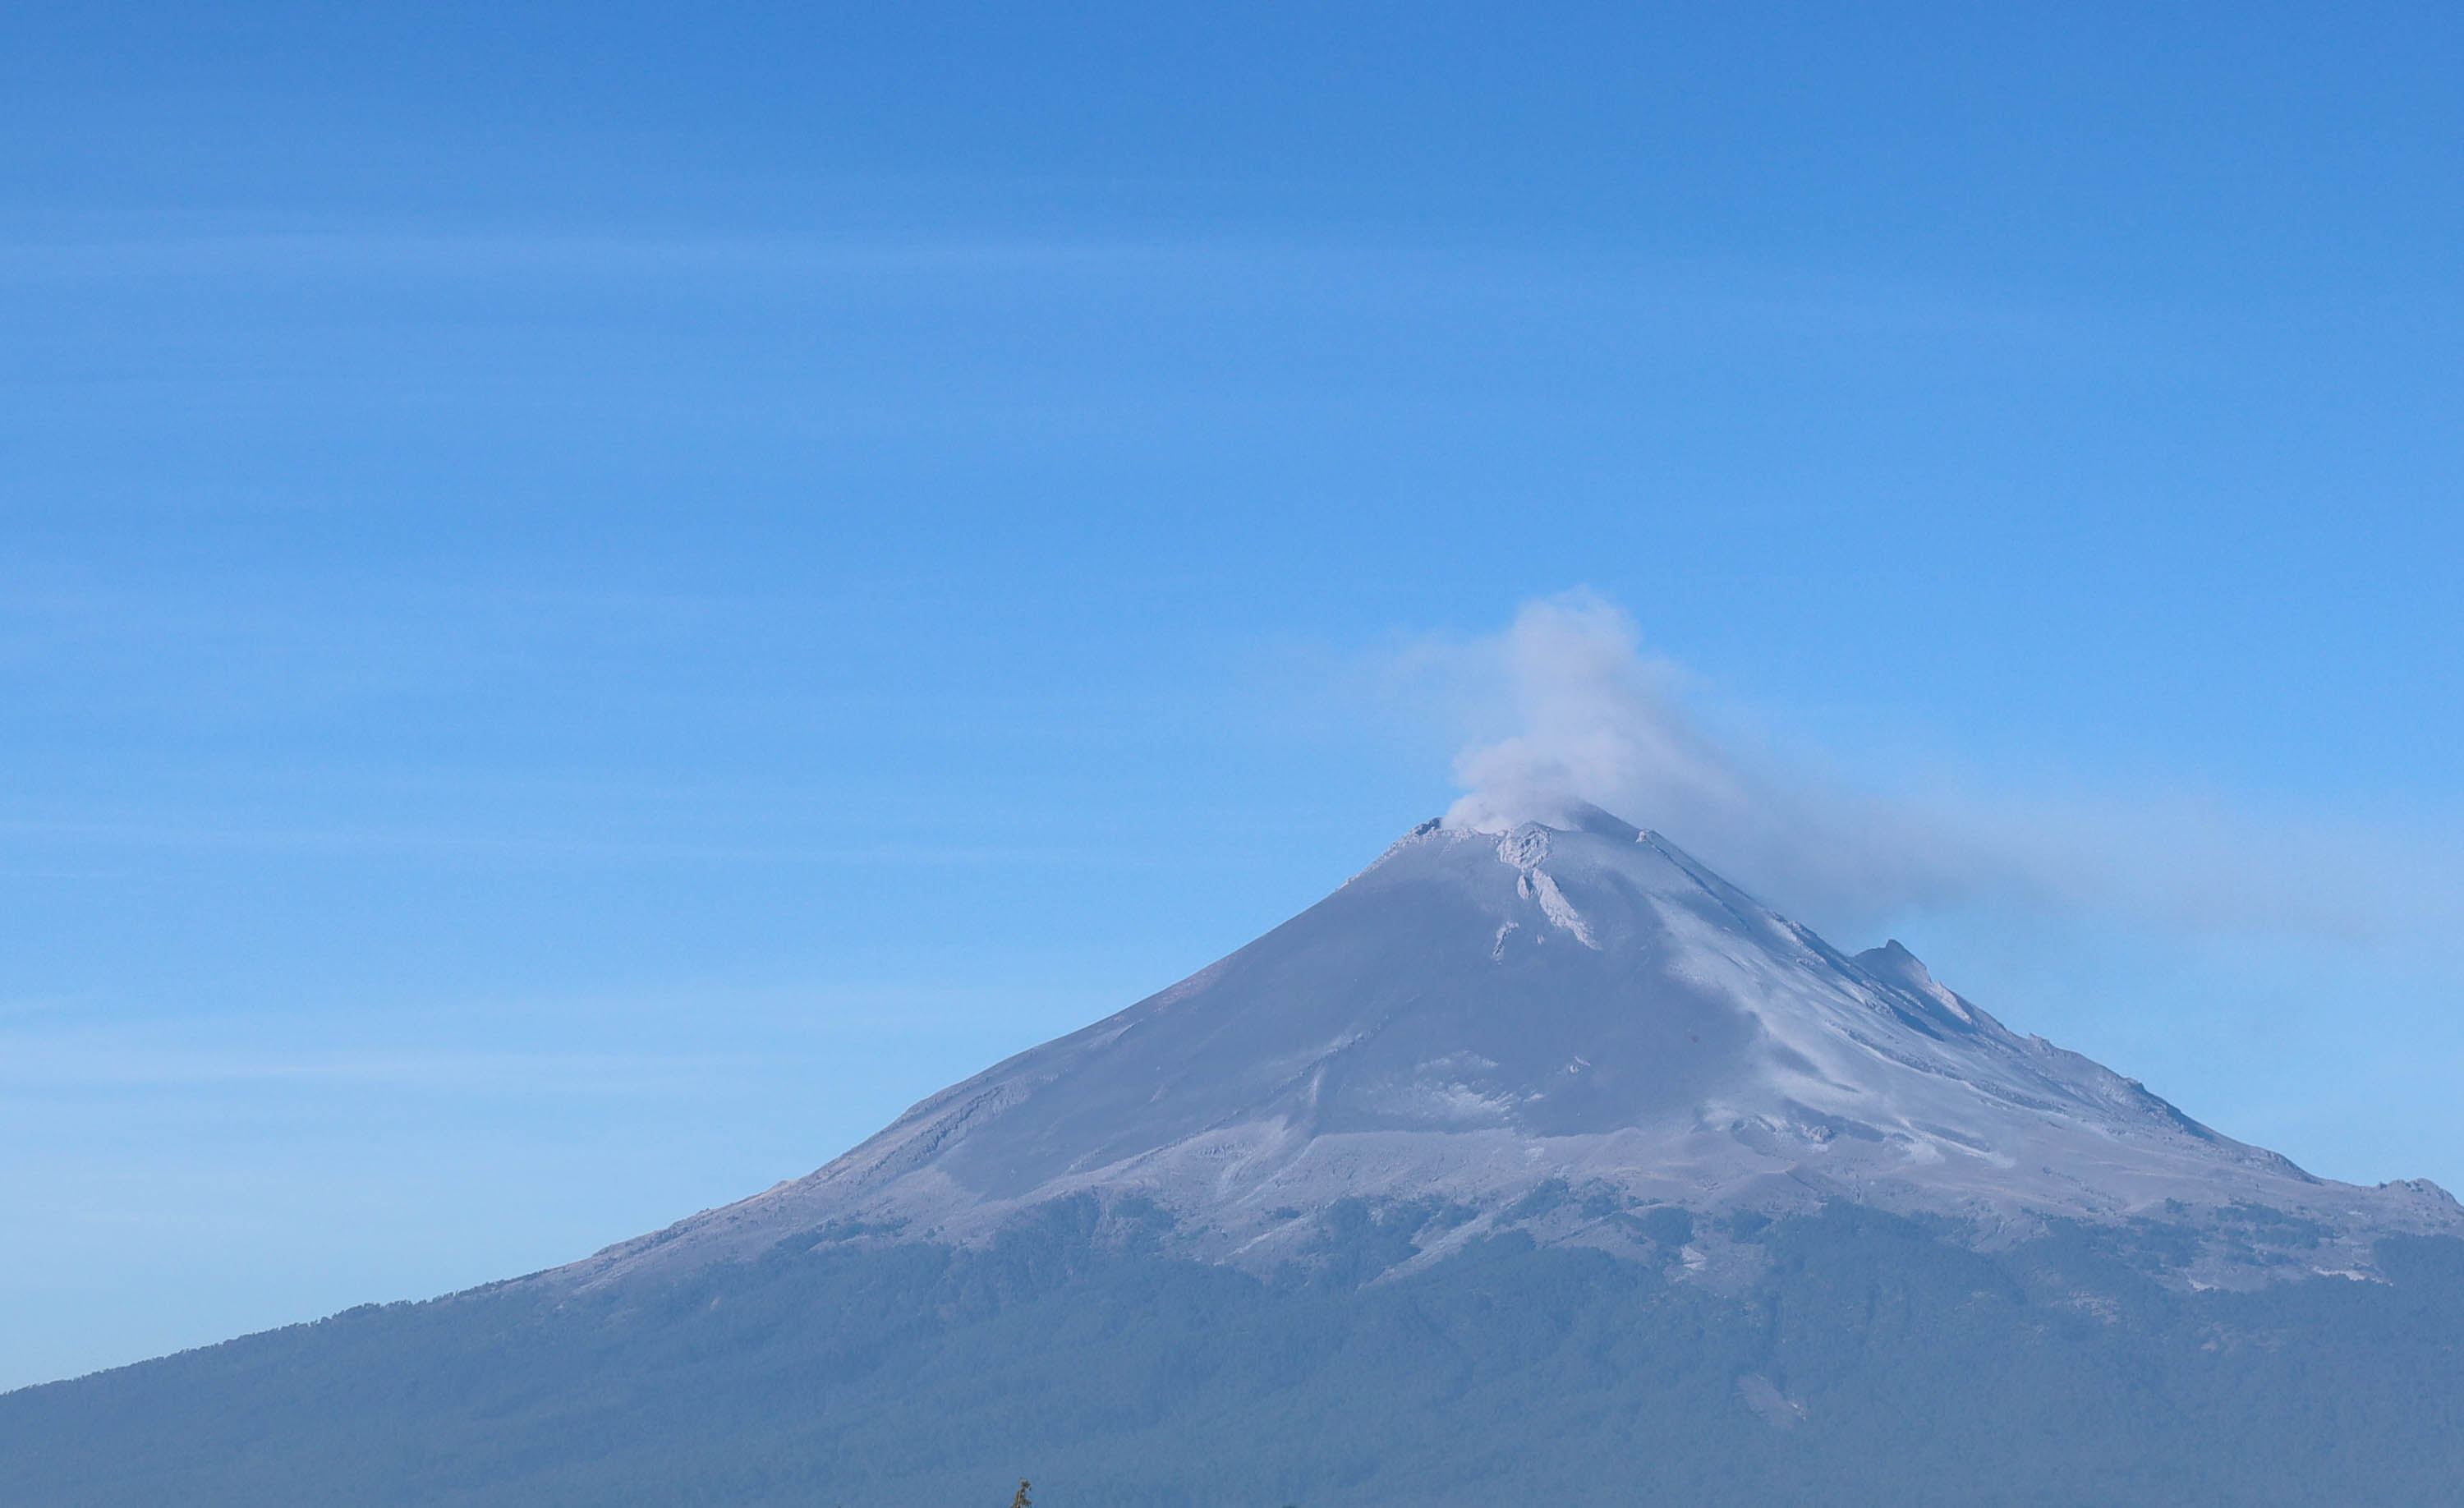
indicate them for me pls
(1553, 1028)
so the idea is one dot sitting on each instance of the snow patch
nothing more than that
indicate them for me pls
(1561, 912)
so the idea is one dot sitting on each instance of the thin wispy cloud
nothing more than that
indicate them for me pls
(56, 1065)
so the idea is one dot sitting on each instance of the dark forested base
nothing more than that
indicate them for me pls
(1872, 1363)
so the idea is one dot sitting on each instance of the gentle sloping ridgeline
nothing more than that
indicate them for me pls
(1875, 1363)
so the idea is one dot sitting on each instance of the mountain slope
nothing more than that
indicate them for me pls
(1533, 1165)
(1479, 1015)
(1869, 1364)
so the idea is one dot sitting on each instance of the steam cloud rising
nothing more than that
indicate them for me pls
(1572, 709)
(1597, 720)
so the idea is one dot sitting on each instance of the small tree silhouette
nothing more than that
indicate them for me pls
(1021, 1500)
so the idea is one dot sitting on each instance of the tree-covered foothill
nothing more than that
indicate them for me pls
(1866, 1361)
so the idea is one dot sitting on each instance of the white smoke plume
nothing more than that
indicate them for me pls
(1596, 719)
(1596, 722)
(1570, 707)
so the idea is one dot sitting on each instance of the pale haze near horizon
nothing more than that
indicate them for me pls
(594, 606)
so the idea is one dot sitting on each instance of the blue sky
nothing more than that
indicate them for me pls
(594, 600)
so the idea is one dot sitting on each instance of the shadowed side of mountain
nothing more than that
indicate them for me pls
(1871, 1360)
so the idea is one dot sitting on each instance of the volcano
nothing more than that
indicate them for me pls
(1536, 1159)
(1479, 1017)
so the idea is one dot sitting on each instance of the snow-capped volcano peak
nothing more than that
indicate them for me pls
(1487, 813)
(1487, 1010)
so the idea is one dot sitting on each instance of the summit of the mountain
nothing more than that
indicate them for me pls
(1547, 1026)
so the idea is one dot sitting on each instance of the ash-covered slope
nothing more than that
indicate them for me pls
(1479, 1018)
